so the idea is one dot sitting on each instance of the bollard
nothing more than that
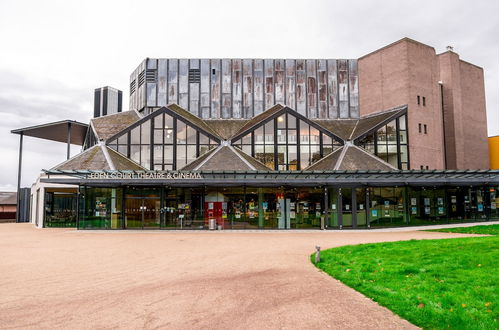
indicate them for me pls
(317, 254)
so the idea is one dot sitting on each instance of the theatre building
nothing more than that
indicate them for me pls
(397, 137)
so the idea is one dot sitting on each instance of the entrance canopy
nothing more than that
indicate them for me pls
(61, 131)
(274, 178)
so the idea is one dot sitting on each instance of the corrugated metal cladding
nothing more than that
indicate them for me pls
(243, 88)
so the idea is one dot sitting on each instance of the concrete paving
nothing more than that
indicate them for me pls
(63, 278)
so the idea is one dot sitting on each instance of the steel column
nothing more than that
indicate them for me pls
(18, 209)
(69, 140)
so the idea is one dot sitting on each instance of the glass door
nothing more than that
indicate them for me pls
(346, 204)
(360, 194)
(151, 213)
(133, 213)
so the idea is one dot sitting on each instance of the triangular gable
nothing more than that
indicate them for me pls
(373, 122)
(179, 113)
(275, 112)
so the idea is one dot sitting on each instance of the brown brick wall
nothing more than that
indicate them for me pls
(396, 74)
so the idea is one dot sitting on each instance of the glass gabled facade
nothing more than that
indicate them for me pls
(389, 143)
(163, 141)
(287, 142)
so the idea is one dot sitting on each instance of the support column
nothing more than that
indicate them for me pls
(325, 224)
(69, 140)
(261, 213)
(18, 206)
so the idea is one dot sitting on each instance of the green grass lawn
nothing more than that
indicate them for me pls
(486, 230)
(435, 284)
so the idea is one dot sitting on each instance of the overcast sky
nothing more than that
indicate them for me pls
(54, 53)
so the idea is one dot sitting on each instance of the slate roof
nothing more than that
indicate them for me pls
(254, 162)
(351, 129)
(226, 128)
(94, 159)
(350, 157)
(356, 158)
(225, 158)
(195, 163)
(342, 128)
(372, 122)
(121, 162)
(107, 126)
(326, 163)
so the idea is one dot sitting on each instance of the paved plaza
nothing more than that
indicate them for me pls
(63, 278)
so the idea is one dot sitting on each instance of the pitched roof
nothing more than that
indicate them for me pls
(107, 126)
(195, 163)
(121, 162)
(254, 162)
(342, 128)
(193, 119)
(94, 158)
(225, 158)
(350, 157)
(91, 159)
(326, 163)
(226, 128)
(372, 122)
(356, 158)
(257, 120)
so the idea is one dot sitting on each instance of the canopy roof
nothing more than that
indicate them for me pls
(281, 178)
(57, 131)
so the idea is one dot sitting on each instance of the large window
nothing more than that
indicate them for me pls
(389, 143)
(286, 142)
(163, 142)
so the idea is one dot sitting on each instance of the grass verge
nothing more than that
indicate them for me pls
(435, 284)
(484, 230)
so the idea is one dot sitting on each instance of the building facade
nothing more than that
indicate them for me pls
(107, 101)
(283, 144)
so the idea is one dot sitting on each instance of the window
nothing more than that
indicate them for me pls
(425, 129)
(419, 125)
(389, 143)
(422, 167)
(419, 100)
(427, 167)
(163, 142)
(424, 101)
(286, 142)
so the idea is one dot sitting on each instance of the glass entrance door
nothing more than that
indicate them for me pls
(347, 206)
(133, 213)
(151, 213)
(142, 213)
